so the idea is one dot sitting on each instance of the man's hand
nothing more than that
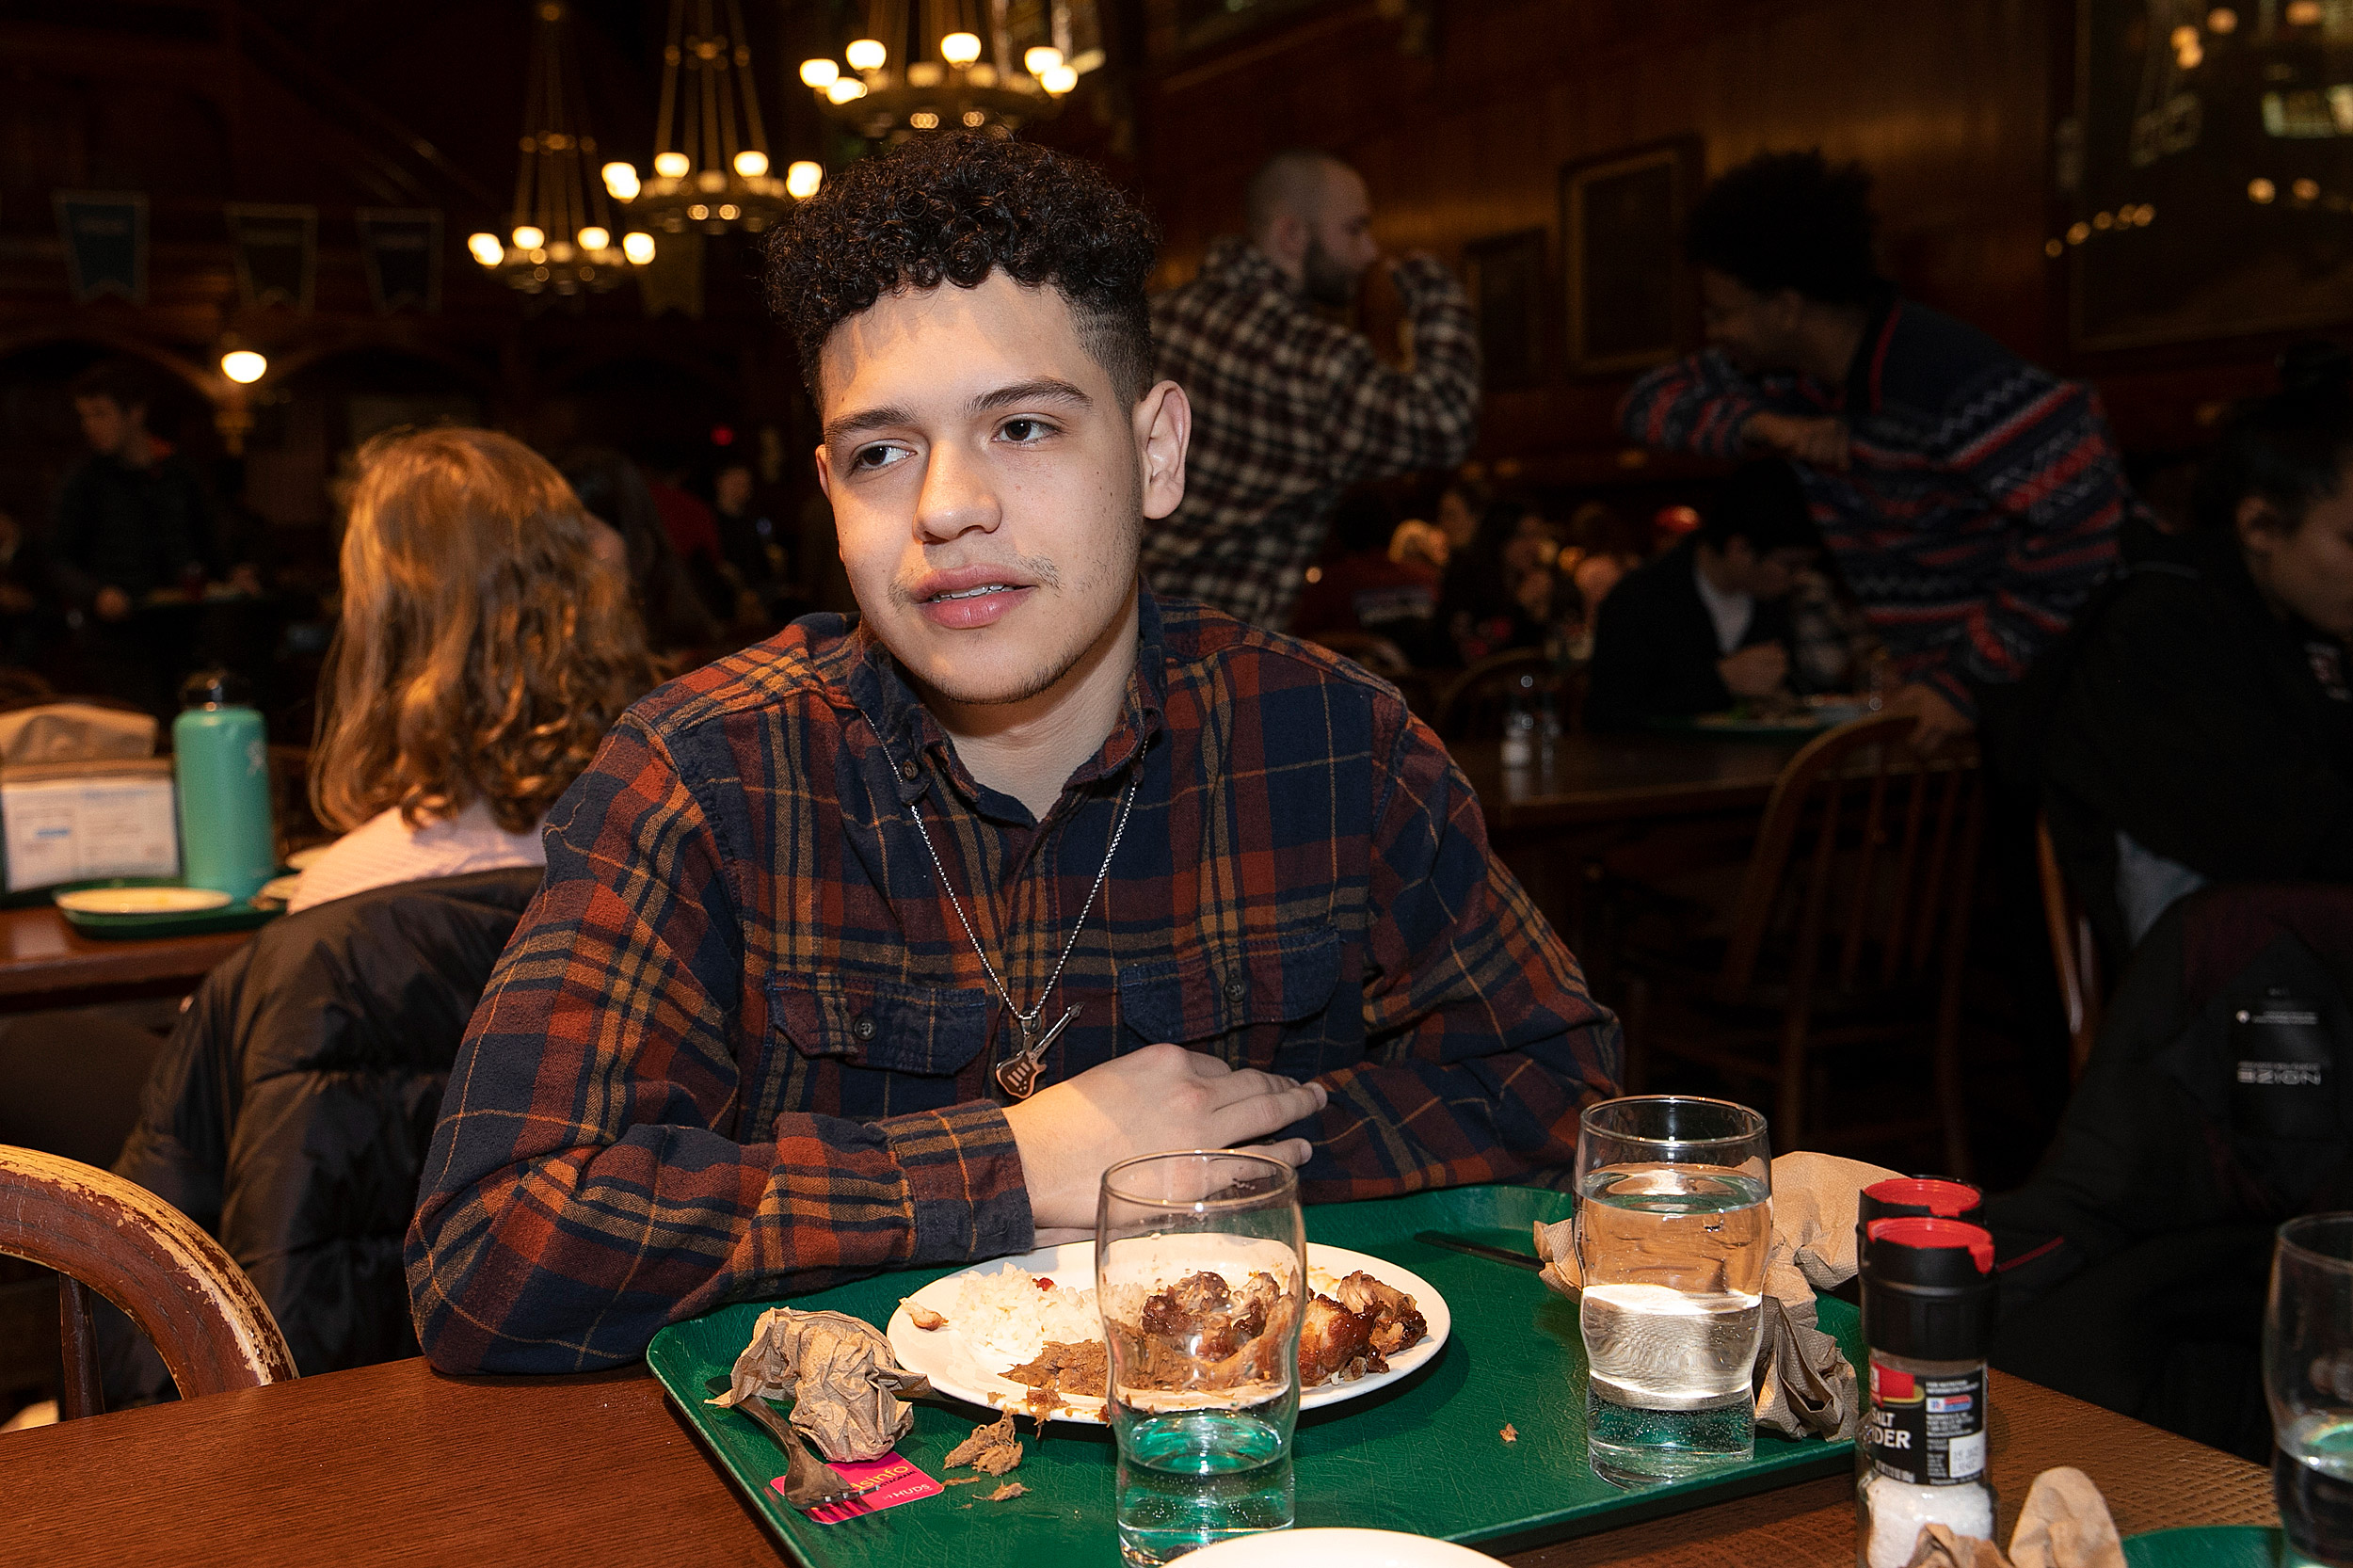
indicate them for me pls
(113, 604)
(1822, 441)
(1940, 721)
(1756, 671)
(1159, 1098)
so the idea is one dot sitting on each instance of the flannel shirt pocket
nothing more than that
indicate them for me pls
(1263, 981)
(866, 1022)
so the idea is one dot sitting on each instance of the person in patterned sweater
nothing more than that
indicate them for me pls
(1972, 500)
(873, 945)
(1288, 408)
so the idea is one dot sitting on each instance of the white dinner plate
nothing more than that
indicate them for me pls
(1337, 1548)
(941, 1354)
(141, 900)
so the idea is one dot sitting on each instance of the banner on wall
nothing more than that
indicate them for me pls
(277, 250)
(402, 248)
(105, 243)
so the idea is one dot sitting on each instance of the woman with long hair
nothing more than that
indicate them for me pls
(489, 640)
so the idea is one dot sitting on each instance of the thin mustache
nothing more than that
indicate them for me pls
(1036, 567)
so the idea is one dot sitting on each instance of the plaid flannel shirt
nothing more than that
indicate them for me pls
(1982, 497)
(741, 1046)
(1288, 410)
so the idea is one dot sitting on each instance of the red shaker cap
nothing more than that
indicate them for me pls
(1917, 1230)
(1946, 1199)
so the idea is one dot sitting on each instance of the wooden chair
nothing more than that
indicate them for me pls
(1851, 927)
(1473, 708)
(100, 1232)
(2074, 951)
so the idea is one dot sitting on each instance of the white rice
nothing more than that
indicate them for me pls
(1005, 1318)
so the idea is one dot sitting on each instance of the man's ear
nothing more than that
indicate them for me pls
(1163, 427)
(825, 471)
(1286, 242)
(2259, 526)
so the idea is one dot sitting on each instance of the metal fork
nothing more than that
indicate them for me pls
(808, 1482)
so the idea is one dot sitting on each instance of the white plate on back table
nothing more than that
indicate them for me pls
(955, 1369)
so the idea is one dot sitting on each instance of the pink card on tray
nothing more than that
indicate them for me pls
(902, 1482)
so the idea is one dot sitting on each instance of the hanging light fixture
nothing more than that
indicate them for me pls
(711, 172)
(944, 65)
(560, 236)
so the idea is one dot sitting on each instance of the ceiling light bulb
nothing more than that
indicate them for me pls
(960, 48)
(242, 366)
(751, 163)
(638, 247)
(487, 248)
(865, 54)
(594, 238)
(846, 90)
(820, 73)
(1059, 80)
(671, 165)
(802, 180)
(620, 180)
(528, 238)
(1041, 60)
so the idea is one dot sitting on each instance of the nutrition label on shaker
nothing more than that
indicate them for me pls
(1929, 1431)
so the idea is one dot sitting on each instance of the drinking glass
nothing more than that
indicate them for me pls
(2307, 1380)
(1200, 1269)
(1674, 1217)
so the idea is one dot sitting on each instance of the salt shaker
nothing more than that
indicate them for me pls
(1928, 1317)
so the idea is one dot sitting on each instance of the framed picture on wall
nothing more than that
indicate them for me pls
(1631, 300)
(2213, 175)
(1504, 275)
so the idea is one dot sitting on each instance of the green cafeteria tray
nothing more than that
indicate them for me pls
(1425, 1455)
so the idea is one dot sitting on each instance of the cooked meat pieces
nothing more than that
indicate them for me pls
(1208, 1321)
(1079, 1368)
(992, 1449)
(1331, 1338)
(1392, 1322)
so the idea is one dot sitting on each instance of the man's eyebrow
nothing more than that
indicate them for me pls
(866, 419)
(1044, 389)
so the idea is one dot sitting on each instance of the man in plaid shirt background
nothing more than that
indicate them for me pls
(809, 902)
(1288, 408)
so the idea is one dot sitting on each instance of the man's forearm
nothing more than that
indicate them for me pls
(572, 1260)
(1697, 404)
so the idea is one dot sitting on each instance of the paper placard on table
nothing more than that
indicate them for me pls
(79, 822)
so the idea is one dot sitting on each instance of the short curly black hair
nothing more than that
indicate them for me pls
(953, 207)
(1789, 220)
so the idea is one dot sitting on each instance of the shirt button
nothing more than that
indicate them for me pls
(1233, 990)
(863, 1027)
(907, 771)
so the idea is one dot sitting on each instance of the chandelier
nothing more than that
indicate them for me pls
(709, 171)
(561, 235)
(927, 65)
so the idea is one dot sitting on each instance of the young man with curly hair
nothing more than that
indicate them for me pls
(1971, 500)
(874, 945)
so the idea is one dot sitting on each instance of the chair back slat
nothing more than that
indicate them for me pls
(1858, 901)
(209, 1324)
(1852, 863)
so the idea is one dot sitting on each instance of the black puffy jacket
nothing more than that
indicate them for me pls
(291, 1110)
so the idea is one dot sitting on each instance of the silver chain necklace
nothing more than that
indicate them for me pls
(1017, 1073)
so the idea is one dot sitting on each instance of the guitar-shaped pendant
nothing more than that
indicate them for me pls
(1016, 1074)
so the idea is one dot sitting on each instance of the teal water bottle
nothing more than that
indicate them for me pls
(220, 755)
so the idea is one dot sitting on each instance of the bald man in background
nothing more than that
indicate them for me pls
(1289, 408)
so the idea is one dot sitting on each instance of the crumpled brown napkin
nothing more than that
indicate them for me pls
(840, 1374)
(2064, 1524)
(1804, 1382)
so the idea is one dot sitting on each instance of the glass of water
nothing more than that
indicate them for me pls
(1673, 1219)
(1200, 1272)
(2308, 1379)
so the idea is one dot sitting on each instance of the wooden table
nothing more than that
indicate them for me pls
(1551, 822)
(45, 963)
(394, 1465)
(1599, 779)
